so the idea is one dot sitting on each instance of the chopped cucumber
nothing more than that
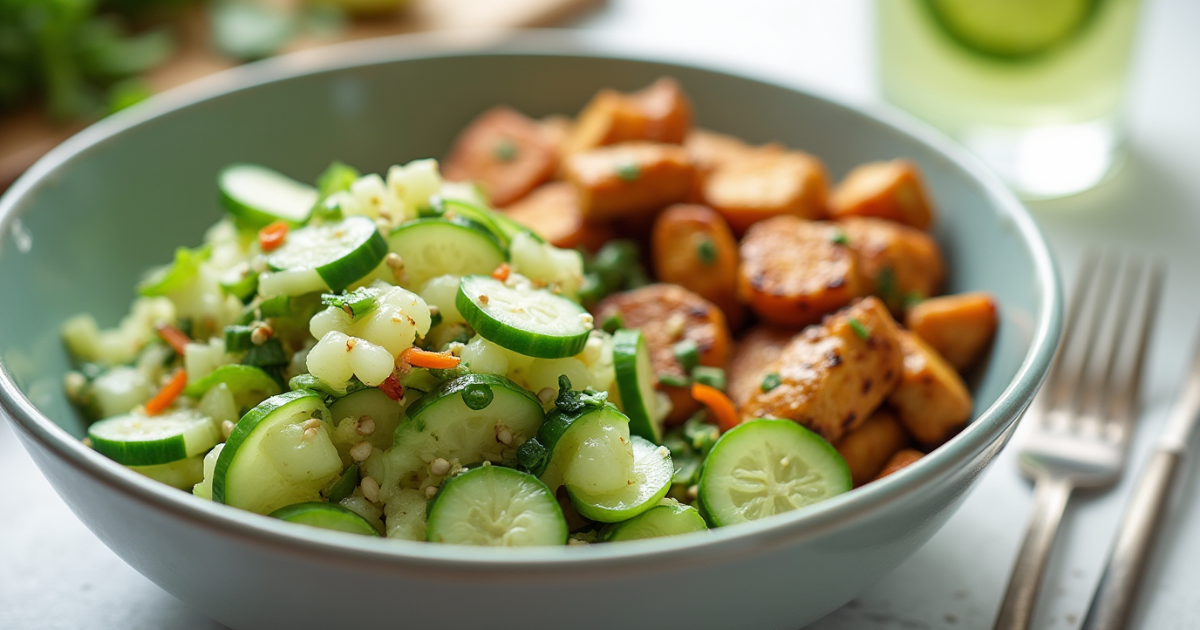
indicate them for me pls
(668, 518)
(466, 420)
(256, 196)
(372, 403)
(768, 466)
(340, 253)
(635, 385)
(649, 482)
(591, 450)
(436, 247)
(249, 385)
(500, 226)
(269, 461)
(326, 516)
(182, 474)
(498, 507)
(139, 440)
(344, 486)
(533, 322)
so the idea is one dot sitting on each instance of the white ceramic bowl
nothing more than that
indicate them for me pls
(117, 198)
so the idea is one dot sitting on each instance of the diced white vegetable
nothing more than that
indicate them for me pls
(441, 292)
(562, 268)
(328, 361)
(204, 488)
(545, 372)
(121, 344)
(290, 282)
(415, 182)
(201, 358)
(484, 356)
(119, 390)
(218, 404)
(298, 459)
(405, 510)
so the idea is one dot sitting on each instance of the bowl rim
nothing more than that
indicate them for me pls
(993, 424)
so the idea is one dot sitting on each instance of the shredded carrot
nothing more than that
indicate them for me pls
(392, 387)
(501, 272)
(272, 236)
(167, 394)
(718, 403)
(174, 337)
(426, 359)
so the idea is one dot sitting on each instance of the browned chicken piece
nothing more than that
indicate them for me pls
(658, 113)
(693, 247)
(752, 356)
(630, 180)
(795, 271)
(505, 152)
(931, 399)
(867, 448)
(899, 264)
(888, 190)
(833, 376)
(767, 184)
(902, 459)
(666, 315)
(710, 149)
(557, 128)
(552, 212)
(960, 327)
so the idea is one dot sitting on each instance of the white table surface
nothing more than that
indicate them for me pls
(55, 574)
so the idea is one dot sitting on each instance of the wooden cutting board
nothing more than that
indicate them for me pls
(27, 134)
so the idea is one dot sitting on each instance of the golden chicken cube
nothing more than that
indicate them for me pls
(505, 152)
(767, 184)
(867, 448)
(887, 190)
(900, 264)
(960, 327)
(931, 399)
(658, 113)
(634, 179)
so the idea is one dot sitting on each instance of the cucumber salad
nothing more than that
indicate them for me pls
(478, 353)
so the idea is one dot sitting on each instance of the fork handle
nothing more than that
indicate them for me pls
(1117, 592)
(1049, 501)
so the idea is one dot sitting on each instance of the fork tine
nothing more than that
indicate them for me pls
(1082, 329)
(1122, 404)
(1079, 291)
(1107, 347)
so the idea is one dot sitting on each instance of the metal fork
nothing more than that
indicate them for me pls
(1083, 416)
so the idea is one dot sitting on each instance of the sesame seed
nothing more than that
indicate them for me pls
(783, 463)
(546, 394)
(439, 467)
(366, 425)
(370, 489)
(504, 434)
(310, 435)
(430, 491)
(394, 262)
(312, 423)
(227, 428)
(483, 298)
(361, 451)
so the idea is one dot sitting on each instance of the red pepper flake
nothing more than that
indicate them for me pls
(272, 236)
(177, 339)
(392, 388)
(501, 272)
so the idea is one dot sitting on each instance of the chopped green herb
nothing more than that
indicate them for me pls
(770, 381)
(178, 274)
(533, 457)
(839, 238)
(672, 380)
(612, 323)
(505, 150)
(268, 354)
(706, 251)
(885, 284)
(859, 329)
(571, 402)
(308, 381)
(629, 172)
(700, 434)
(687, 353)
(237, 338)
(355, 303)
(328, 210)
(913, 298)
(477, 396)
(711, 376)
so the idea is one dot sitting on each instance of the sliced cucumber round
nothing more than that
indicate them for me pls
(668, 518)
(649, 483)
(182, 474)
(768, 466)
(467, 420)
(436, 247)
(532, 322)
(384, 412)
(256, 196)
(497, 507)
(249, 385)
(502, 227)
(268, 461)
(139, 440)
(590, 450)
(340, 252)
(326, 516)
(635, 384)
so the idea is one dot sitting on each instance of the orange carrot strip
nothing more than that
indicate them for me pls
(272, 236)
(167, 394)
(426, 359)
(718, 403)
(174, 337)
(501, 272)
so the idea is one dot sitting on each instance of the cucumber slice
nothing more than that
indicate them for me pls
(139, 440)
(635, 385)
(592, 450)
(340, 253)
(249, 385)
(533, 322)
(373, 403)
(436, 247)
(500, 226)
(182, 474)
(496, 507)
(466, 420)
(267, 463)
(1011, 29)
(345, 485)
(649, 483)
(768, 466)
(668, 518)
(256, 196)
(326, 516)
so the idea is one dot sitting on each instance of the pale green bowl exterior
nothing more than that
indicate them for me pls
(78, 229)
